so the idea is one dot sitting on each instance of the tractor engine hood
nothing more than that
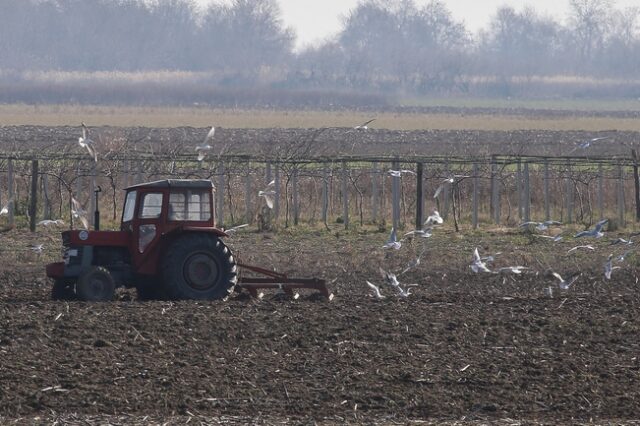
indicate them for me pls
(96, 238)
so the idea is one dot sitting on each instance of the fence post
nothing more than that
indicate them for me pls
(419, 196)
(527, 193)
(476, 184)
(636, 183)
(220, 196)
(267, 173)
(33, 200)
(520, 195)
(621, 195)
(495, 191)
(374, 192)
(345, 196)
(296, 209)
(12, 193)
(601, 191)
(125, 176)
(395, 196)
(446, 192)
(547, 206)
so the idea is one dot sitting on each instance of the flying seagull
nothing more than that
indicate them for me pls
(392, 242)
(398, 173)
(512, 269)
(434, 219)
(364, 126)
(541, 226)
(37, 248)
(269, 194)
(376, 290)
(48, 222)
(204, 147)
(622, 241)
(608, 267)
(392, 280)
(565, 284)
(87, 143)
(234, 229)
(478, 265)
(586, 144)
(595, 232)
(623, 256)
(449, 181)
(79, 213)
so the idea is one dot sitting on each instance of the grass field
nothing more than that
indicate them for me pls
(59, 115)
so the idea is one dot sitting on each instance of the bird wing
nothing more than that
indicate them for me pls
(438, 190)
(557, 275)
(85, 131)
(366, 122)
(210, 134)
(476, 255)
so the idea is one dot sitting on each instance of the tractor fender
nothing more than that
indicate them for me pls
(184, 229)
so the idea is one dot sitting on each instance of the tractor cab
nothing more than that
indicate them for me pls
(168, 247)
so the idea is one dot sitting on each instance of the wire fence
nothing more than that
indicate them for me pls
(350, 190)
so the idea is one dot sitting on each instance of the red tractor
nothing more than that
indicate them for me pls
(168, 247)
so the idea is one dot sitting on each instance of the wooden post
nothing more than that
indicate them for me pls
(621, 196)
(527, 193)
(601, 191)
(125, 176)
(276, 201)
(33, 200)
(267, 173)
(345, 195)
(547, 206)
(296, 204)
(12, 193)
(419, 196)
(636, 183)
(325, 194)
(476, 185)
(374, 192)
(220, 196)
(248, 212)
(495, 191)
(79, 181)
(395, 196)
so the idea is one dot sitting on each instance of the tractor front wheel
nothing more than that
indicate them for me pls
(96, 285)
(199, 266)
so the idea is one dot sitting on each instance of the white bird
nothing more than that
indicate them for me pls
(392, 280)
(608, 267)
(393, 242)
(595, 232)
(555, 239)
(424, 233)
(234, 229)
(364, 126)
(398, 173)
(87, 143)
(412, 264)
(434, 219)
(376, 290)
(565, 284)
(623, 256)
(5, 209)
(37, 248)
(449, 181)
(541, 226)
(587, 247)
(621, 241)
(79, 213)
(478, 265)
(586, 144)
(269, 194)
(204, 147)
(512, 269)
(48, 222)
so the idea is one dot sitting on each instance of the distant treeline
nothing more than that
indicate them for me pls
(385, 47)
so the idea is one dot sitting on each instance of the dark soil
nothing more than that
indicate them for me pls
(463, 347)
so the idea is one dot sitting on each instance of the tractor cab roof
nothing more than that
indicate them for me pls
(175, 183)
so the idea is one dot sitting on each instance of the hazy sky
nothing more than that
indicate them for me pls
(314, 20)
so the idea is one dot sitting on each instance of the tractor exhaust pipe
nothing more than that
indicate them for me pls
(96, 214)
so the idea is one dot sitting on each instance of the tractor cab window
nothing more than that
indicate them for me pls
(129, 206)
(151, 206)
(189, 205)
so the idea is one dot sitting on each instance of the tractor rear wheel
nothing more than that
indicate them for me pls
(63, 290)
(199, 266)
(149, 289)
(96, 285)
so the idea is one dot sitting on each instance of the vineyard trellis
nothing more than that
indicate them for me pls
(498, 190)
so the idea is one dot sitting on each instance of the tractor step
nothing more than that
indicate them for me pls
(275, 280)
